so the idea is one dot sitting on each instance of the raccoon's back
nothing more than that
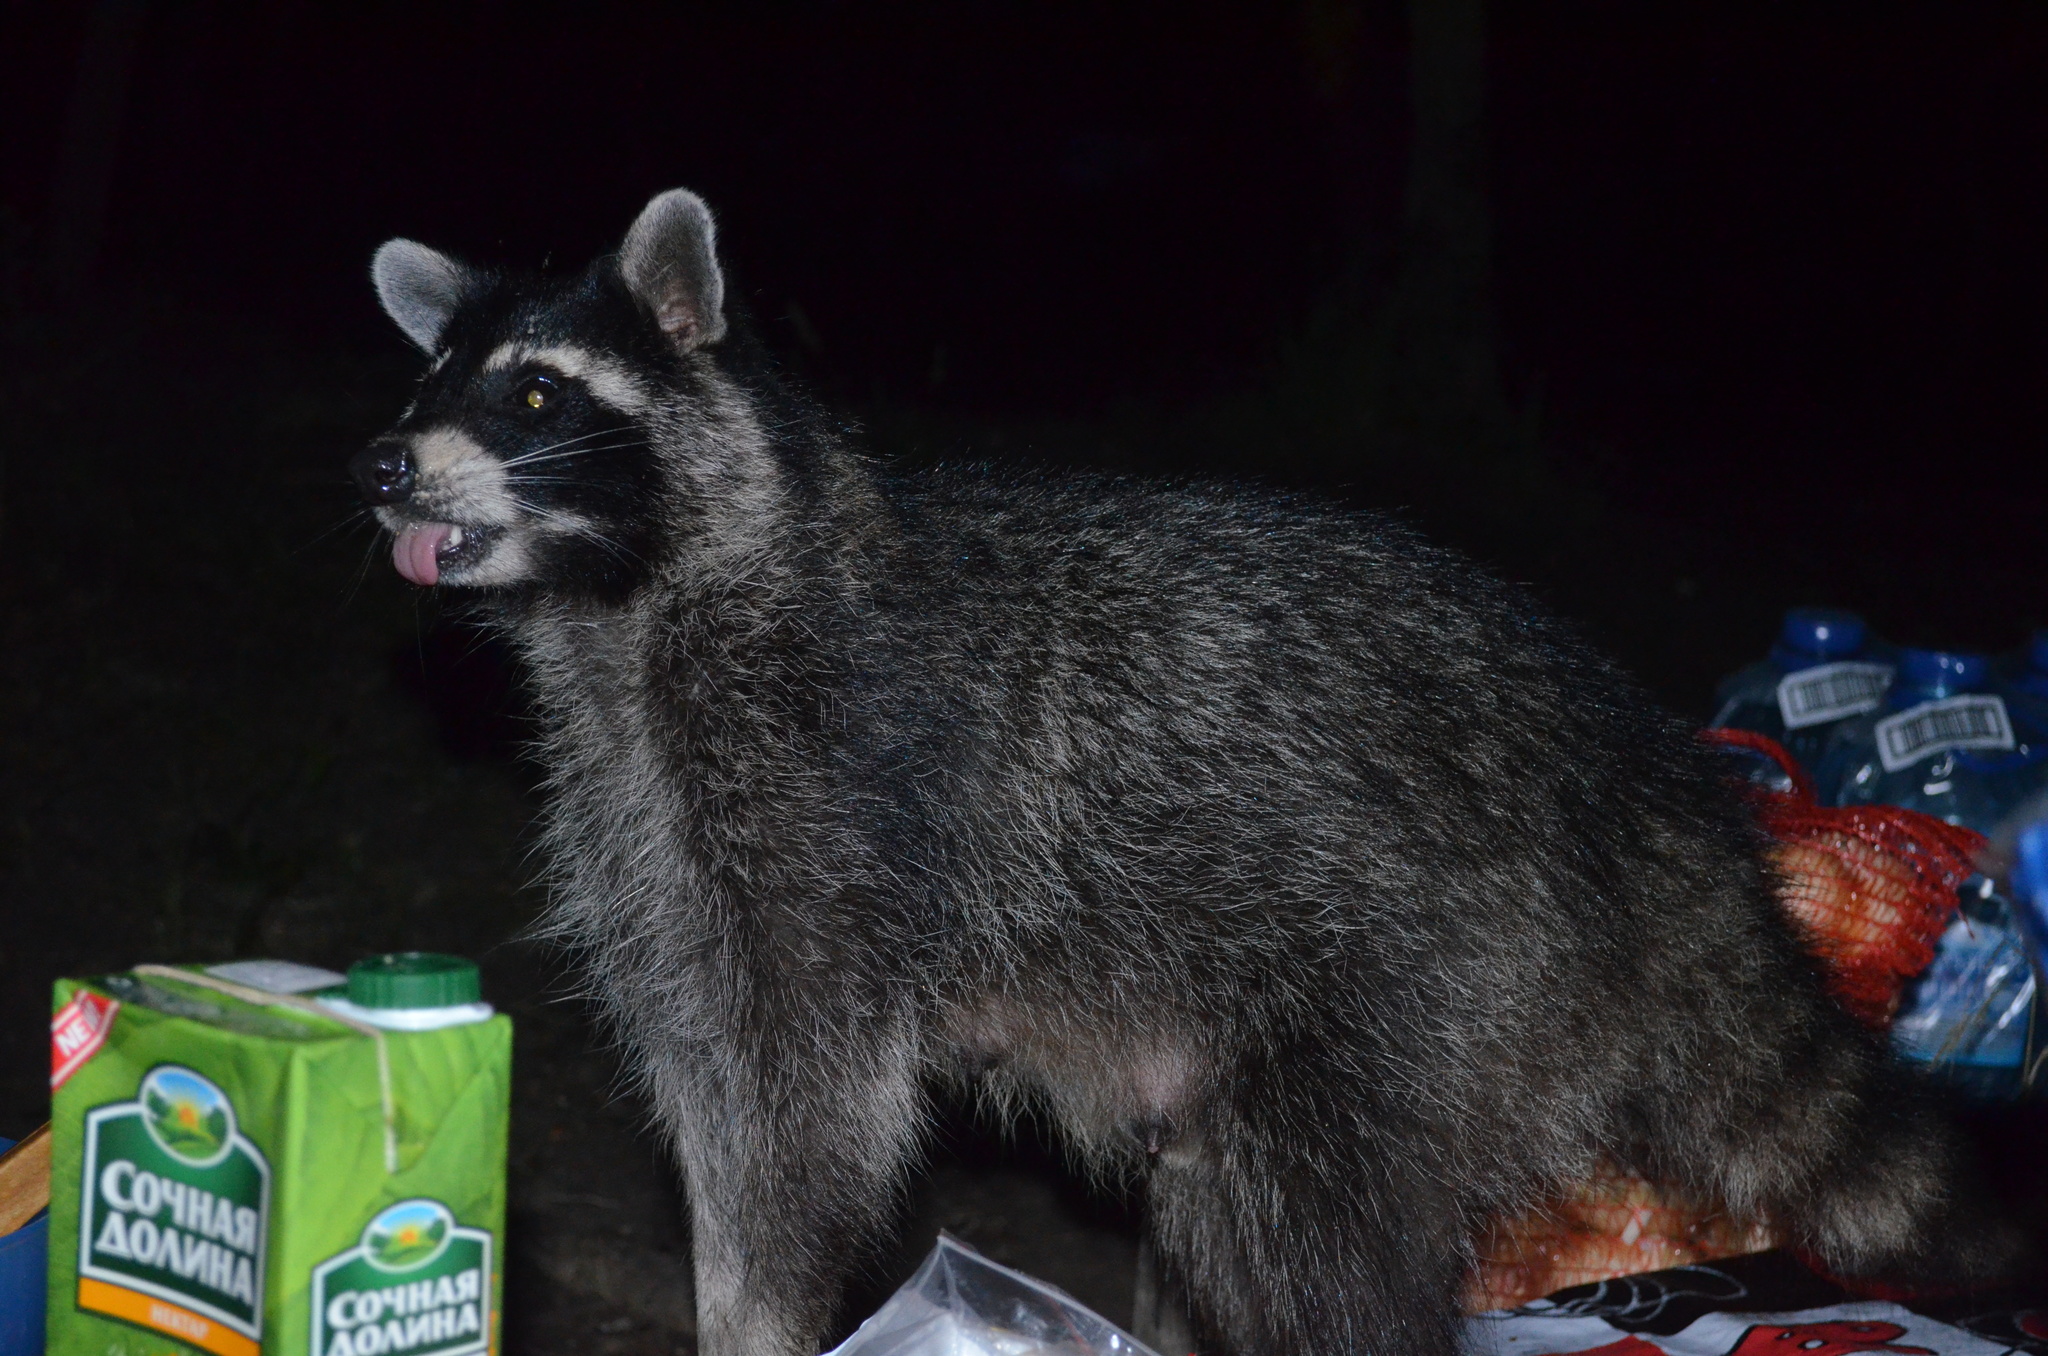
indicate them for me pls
(1191, 621)
(1140, 712)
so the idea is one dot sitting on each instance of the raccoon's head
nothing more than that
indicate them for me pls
(529, 458)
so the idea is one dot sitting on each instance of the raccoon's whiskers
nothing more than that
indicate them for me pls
(576, 527)
(541, 480)
(363, 570)
(579, 438)
(531, 458)
(556, 451)
(348, 520)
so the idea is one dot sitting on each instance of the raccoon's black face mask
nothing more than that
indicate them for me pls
(530, 457)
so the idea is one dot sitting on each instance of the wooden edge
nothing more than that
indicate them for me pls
(25, 1180)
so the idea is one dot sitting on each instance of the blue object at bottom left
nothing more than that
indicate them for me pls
(24, 1267)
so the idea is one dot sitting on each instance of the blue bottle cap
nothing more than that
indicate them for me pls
(1816, 635)
(2033, 679)
(1929, 675)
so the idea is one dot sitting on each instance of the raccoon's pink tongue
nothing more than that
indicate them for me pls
(416, 551)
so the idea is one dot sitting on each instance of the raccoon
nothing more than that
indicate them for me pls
(1317, 886)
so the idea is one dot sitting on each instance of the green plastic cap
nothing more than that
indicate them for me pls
(413, 979)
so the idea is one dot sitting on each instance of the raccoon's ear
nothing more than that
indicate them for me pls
(670, 262)
(420, 288)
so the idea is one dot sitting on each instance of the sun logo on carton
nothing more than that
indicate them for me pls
(408, 1235)
(189, 1118)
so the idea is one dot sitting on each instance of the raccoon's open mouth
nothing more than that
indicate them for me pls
(424, 551)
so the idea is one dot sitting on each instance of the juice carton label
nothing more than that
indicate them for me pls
(416, 1284)
(174, 1214)
(235, 1176)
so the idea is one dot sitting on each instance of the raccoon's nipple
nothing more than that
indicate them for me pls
(417, 550)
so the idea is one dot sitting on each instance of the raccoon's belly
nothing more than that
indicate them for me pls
(1117, 1088)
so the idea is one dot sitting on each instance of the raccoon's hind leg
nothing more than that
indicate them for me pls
(1819, 1132)
(1903, 1202)
(1304, 1226)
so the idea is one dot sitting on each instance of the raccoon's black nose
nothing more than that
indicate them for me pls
(383, 472)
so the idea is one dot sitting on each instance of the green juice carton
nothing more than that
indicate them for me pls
(252, 1160)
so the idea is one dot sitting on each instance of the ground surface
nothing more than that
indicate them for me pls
(230, 730)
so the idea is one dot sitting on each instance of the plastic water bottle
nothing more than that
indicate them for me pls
(1943, 745)
(2025, 689)
(1970, 1018)
(2030, 892)
(1820, 673)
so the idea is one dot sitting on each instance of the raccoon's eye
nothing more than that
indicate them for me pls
(536, 392)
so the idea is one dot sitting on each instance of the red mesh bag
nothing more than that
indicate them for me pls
(1870, 889)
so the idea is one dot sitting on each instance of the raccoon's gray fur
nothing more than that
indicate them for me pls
(1303, 874)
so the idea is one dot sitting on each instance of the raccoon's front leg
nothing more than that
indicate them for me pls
(793, 1160)
(1309, 1214)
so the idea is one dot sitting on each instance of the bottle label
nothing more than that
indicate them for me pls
(1977, 722)
(175, 1205)
(416, 1284)
(1828, 692)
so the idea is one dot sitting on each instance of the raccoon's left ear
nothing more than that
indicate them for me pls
(670, 262)
(419, 288)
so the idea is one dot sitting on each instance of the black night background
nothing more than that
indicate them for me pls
(1682, 313)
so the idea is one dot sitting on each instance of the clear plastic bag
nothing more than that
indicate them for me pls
(961, 1304)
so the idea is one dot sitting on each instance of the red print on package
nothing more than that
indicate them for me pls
(1627, 1346)
(77, 1032)
(1838, 1337)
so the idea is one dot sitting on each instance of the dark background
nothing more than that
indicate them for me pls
(1683, 313)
